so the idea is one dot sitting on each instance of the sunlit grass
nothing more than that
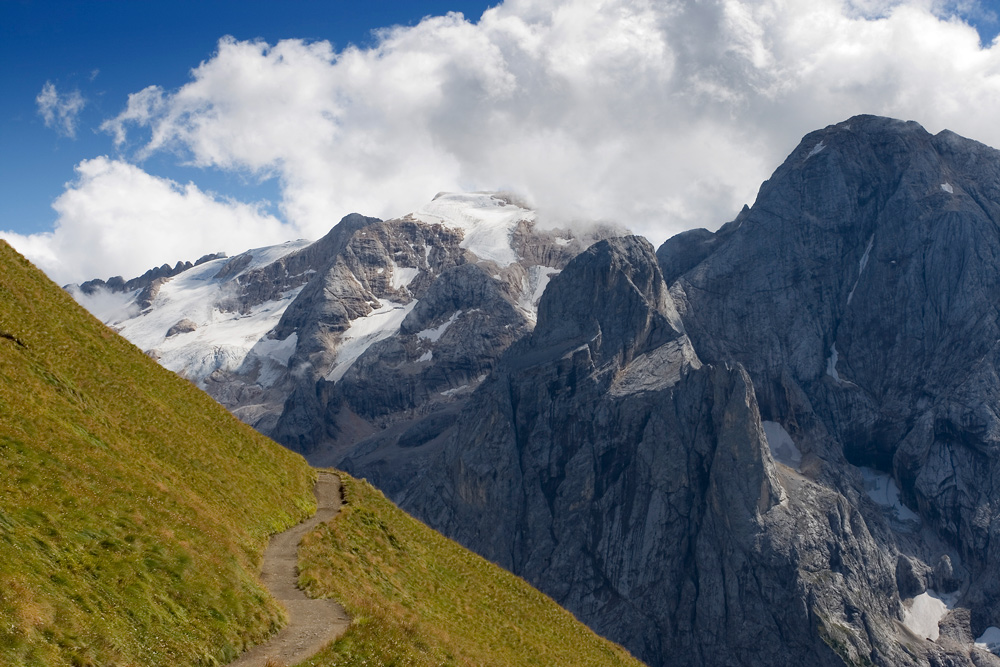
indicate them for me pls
(133, 508)
(417, 598)
(134, 511)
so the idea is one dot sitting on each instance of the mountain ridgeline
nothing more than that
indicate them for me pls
(773, 444)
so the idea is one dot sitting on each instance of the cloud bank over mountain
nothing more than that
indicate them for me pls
(659, 115)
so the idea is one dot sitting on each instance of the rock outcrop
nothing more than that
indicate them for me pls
(863, 284)
(603, 463)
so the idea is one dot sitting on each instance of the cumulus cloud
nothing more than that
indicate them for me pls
(660, 115)
(60, 111)
(116, 219)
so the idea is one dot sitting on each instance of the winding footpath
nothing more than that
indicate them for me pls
(311, 623)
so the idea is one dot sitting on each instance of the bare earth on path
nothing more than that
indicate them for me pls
(311, 623)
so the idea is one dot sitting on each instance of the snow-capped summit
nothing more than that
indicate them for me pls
(272, 322)
(487, 221)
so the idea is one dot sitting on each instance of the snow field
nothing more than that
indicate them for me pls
(487, 223)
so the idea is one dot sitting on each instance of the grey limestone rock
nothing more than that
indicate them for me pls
(653, 511)
(863, 283)
(616, 456)
(461, 313)
(119, 284)
(183, 326)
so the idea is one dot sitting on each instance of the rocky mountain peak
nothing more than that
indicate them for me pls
(612, 298)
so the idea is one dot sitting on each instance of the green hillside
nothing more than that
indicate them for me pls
(134, 511)
(418, 598)
(133, 508)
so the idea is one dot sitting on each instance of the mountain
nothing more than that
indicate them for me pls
(868, 277)
(788, 457)
(772, 444)
(321, 344)
(134, 511)
(133, 508)
(603, 462)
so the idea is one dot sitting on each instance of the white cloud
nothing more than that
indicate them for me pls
(116, 219)
(661, 115)
(60, 111)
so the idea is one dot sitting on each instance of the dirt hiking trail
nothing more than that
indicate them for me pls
(311, 623)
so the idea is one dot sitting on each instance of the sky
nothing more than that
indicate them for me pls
(134, 134)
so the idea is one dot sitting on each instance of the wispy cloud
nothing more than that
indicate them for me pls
(60, 112)
(659, 115)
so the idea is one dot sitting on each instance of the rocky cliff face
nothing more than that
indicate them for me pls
(604, 463)
(789, 458)
(860, 293)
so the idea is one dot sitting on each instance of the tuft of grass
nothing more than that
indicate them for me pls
(133, 508)
(417, 598)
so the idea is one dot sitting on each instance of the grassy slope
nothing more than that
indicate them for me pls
(133, 508)
(418, 598)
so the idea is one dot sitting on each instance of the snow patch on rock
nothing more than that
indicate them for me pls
(831, 363)
(278, 350)
(402, 276)
(990, 640)
(434, 335)
(782, 446)
(922, 615)
(861, 267)
(364, 331)
(534, 284)
(817, 149)
(883, 490)
(947, 187)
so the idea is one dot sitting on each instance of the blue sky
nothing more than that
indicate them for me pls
(107, 49)
(132, 133)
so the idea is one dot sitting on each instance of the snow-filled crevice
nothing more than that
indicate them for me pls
(861, 267)
(533, 286)
(831, 363)
(434, 335)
